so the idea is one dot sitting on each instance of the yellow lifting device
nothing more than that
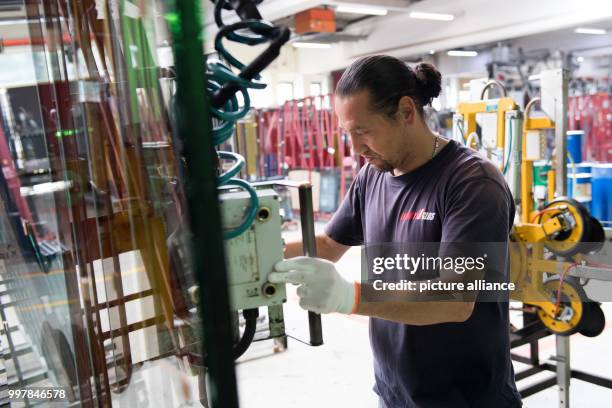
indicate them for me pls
(563, 227)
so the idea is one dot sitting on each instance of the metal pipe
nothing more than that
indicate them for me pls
(528, 107)
(310, 249)
(561, 137)
(492, 83)
(564, 374)
(517, 155)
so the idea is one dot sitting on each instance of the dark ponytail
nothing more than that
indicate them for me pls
(387, 79)
(431, 81)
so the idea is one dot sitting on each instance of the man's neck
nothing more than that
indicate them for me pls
(419, 157)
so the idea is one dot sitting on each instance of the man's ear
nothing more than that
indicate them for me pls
(407, 110)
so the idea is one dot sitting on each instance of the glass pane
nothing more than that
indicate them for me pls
(94, 274)
(100, 132)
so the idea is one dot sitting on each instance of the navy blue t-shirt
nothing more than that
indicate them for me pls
(458, 196)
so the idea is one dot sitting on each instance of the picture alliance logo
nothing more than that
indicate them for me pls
(421, 214)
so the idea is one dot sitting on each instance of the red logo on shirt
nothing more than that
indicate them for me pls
(417, 215)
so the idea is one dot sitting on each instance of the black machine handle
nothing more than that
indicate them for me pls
(310, 249)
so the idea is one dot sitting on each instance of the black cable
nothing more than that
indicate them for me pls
(250, 318)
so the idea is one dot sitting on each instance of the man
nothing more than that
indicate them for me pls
(427, 354)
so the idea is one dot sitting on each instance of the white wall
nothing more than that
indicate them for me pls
(286, 68)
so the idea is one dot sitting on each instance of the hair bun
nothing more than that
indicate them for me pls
(430, 80)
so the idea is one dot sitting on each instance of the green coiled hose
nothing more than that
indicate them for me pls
(253, 31)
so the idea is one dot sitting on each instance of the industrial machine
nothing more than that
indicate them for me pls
(555, 241)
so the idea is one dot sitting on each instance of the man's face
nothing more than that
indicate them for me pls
(378, 138)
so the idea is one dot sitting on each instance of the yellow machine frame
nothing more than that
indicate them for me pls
(529, 124)
(528, 263)
(469, 110)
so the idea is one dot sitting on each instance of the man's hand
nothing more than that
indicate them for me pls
(321, 289)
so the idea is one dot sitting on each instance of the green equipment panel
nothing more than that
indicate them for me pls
(252, 255)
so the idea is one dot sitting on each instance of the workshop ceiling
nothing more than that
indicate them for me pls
(476, 22)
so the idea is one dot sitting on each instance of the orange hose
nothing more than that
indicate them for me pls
(537, 214)
(561, 279)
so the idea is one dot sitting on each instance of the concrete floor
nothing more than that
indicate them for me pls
(340, 374)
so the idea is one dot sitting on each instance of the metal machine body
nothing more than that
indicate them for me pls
(499, 140)
(252, 255)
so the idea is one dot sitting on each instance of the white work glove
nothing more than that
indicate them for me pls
(322, 289)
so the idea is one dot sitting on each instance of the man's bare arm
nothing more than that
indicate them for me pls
(421, 307)
(327, 248)
(418, 312)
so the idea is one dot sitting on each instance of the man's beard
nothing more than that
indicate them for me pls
(383, 165)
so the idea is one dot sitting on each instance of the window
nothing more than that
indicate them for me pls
(284, 92)
(315, 89)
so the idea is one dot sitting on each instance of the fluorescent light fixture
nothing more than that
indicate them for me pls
(432, 16)
(311, 45)
(13, 22)
(10, 22)
(595, 31)
(461, 53)
(375, 11)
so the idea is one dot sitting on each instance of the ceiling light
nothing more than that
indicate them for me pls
(375, 11)
(596, 31)
(462, 53)
(432, 16)
(13, 22)
(310, 45)
(432, 52)
(580, 59)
